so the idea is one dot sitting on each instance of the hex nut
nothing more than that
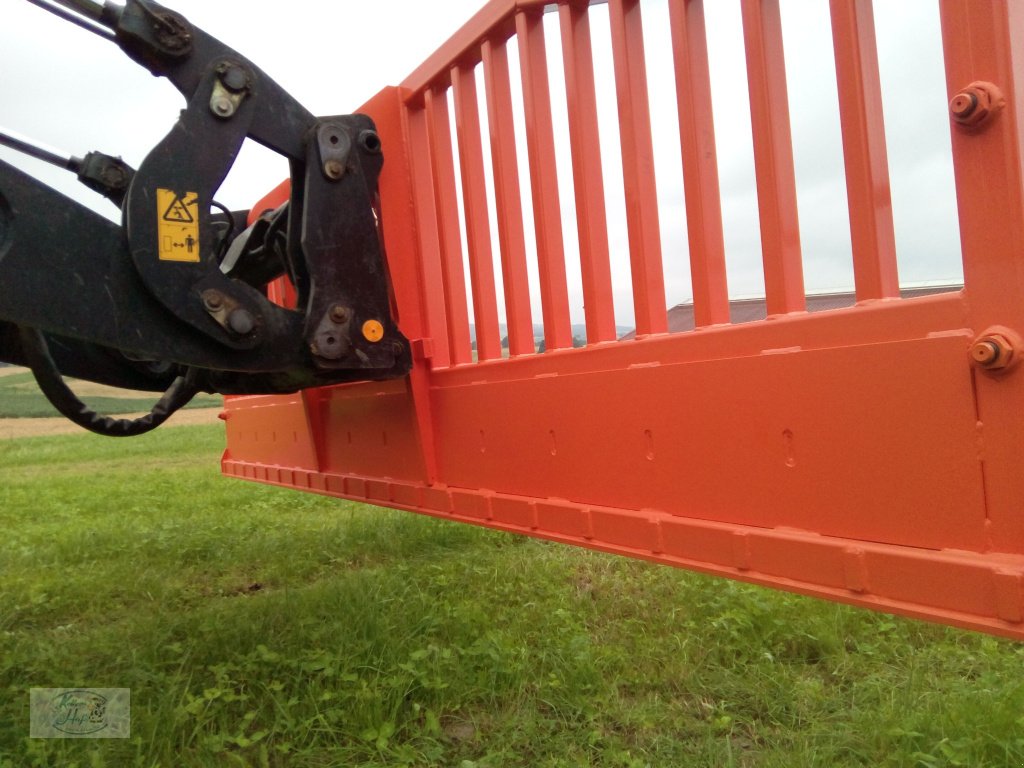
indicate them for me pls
(212, 299)
(992, 352)
(976, 103)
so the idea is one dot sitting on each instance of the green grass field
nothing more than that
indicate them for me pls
(21, 398)
(263, 627)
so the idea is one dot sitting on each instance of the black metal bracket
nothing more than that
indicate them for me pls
(167, 286)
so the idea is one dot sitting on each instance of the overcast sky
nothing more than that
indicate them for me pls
(76, 92)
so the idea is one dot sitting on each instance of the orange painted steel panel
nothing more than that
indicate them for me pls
(985, 41)
(448, 227)
(507, 198)
(638, 166)
(865, 455)
(957, 588)
(867, 163)
(397, 229)
(415, 282)
(896, 321)
(778, 433)
(272, 430)
(390, 442)
(540, 144)
(588, 182)
(478, 228)
(424, 214)
(773, 156)
(700, 163)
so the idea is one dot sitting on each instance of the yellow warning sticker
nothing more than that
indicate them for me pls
(177, 225)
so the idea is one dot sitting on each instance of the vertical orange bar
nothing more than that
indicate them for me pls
(700, 162)
(474, 199)
(867, 164)
(983, 40)
(540, 144)
(431, 276)
(638, 167)
(443, 171)
(773, 157)
(588, 181)
(507, 198)
(414, 266)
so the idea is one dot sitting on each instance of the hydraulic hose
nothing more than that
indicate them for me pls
(53, 386)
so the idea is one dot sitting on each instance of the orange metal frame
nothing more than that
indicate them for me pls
(870, 455)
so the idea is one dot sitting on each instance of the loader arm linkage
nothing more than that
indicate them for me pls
(177, 293)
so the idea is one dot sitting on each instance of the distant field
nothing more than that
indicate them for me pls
(20, 397)
(262, 627)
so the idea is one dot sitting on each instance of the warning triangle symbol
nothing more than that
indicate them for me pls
(178, 213)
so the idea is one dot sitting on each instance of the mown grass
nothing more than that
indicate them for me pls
(262, 627)
(20, 399)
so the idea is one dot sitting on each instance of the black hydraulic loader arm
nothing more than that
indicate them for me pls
(175, 298)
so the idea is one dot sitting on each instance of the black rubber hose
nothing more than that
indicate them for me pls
(51, 382)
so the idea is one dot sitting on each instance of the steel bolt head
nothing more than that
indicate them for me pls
(241, 321)
(234, 78)
(222, 106)
(976, 104)
(334, 169)
(172, 32)
(963, 105)
(213, 299)
(339, 314)
(985, 353)
(992, 352)
(115, 177)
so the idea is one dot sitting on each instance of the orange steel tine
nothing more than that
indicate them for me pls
(507, 197)
(700, 163)
(638, 167)
(431, 278)
(867, 165)
(478, 228)
(588, 181)
(448, 228)
(985, 41)
(540, 144)
(773, 157)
